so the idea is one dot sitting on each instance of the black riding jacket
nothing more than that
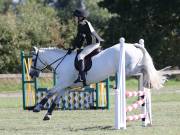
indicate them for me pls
(84, 36)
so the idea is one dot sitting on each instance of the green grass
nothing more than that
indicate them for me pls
(173, 84)
(165, 108)
(10, 86)
(16, 86)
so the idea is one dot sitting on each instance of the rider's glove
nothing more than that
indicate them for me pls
(69, 51)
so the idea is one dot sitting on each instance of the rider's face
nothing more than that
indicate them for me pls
(80, 19)
(76, 19)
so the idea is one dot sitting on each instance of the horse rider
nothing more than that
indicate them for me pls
(86, 39)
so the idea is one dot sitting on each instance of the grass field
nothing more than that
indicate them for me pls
(165, 108)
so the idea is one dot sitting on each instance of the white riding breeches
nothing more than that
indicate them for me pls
(87, 50)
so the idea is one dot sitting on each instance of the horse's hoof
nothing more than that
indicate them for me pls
(37, 108)
(47, 117)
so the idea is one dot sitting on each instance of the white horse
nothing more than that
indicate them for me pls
(104, 64)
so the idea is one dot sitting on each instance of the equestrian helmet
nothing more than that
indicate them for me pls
(81, 13)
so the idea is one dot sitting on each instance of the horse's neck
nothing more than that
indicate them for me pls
(52, 55)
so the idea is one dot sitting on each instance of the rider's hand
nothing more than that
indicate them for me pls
(69, 51)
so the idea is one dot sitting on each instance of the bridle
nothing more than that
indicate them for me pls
(45, 65)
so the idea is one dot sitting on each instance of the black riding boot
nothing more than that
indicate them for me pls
(81, 77)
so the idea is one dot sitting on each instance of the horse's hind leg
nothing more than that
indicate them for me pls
(53, 105)
(40, 105)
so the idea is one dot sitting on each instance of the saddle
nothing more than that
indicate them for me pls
(87, 59)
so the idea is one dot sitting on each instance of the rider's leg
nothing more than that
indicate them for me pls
(87, 50)
(41, 104)
(81, 77)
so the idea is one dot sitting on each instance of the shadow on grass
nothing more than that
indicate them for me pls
(91, 128)
(95, 128)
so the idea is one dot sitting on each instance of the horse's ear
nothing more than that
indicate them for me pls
(34, 49)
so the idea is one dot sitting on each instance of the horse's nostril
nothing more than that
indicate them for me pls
(31, 74)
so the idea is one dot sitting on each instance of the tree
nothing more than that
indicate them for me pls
(157, 21)
(31, 25)
(99, 17)
(38, 23)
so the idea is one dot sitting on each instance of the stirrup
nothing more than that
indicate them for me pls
(78, 80)
(84, 83)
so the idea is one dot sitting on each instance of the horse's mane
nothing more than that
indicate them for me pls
(60, 50)
(52, 49)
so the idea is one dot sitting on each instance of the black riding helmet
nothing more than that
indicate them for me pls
(81, 13)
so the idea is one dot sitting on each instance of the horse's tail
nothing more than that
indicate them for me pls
(152, 77)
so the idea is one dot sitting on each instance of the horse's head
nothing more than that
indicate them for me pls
(37, 64)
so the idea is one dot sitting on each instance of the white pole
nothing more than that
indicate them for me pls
(144, 108)
(120, 97)
(147, 107)
(141, 42)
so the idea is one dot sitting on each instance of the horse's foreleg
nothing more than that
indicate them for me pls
(41, 104)
(53, 105)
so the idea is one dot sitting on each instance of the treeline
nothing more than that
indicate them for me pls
(156, 21)
(38, 23)
(42, 24)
